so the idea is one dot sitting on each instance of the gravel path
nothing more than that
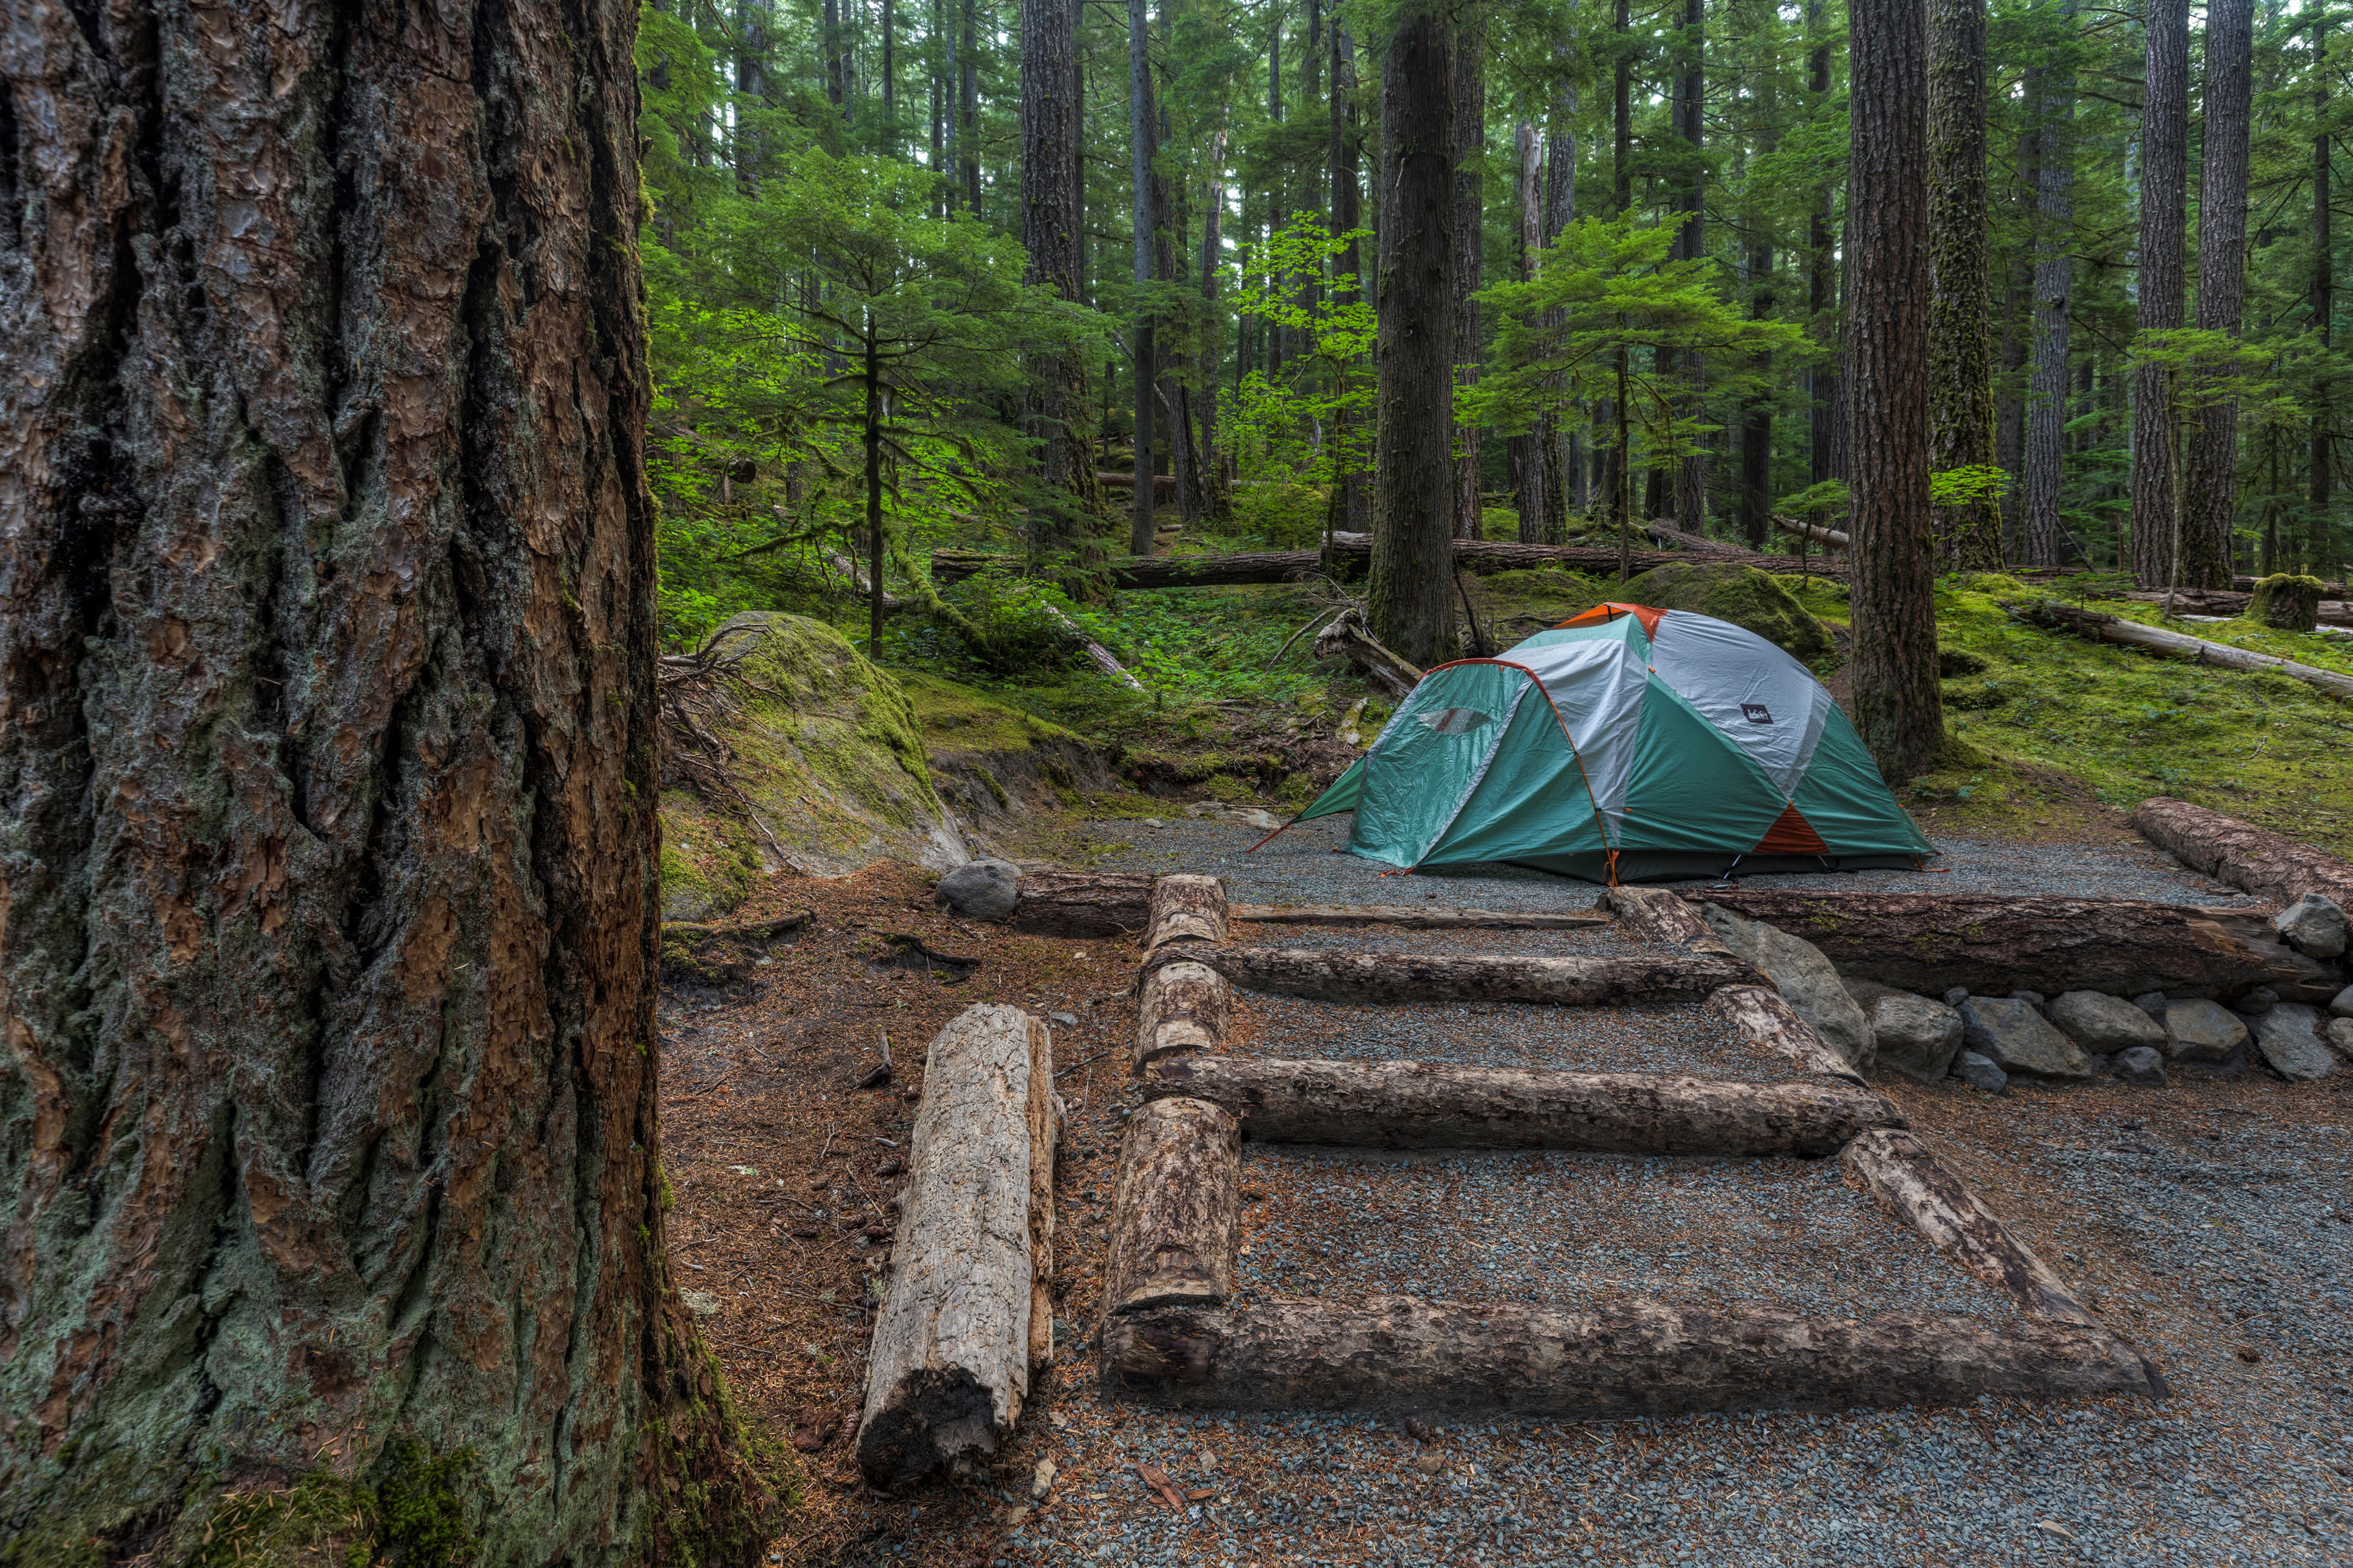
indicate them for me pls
(1300, 867)
(1665, 1037)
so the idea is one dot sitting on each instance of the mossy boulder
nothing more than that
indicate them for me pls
(828, 763)
(2288, 601)
(1742, 595)
(1007, 774)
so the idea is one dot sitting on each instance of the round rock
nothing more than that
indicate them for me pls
(2142, 1067)
(2009, 1032)
(1916, 1037)
(981, 890)
(2312, 926)
(2104, 1024)
(2198, 1030)
(1980, 1072)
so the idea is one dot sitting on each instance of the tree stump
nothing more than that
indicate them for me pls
(968, 1312)
(2286, 600)
(1186, 909)
(1176, 1216)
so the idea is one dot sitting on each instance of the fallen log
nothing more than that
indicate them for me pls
(1912, 1186)
(2177, 645)
(1185, 908)
(1175, 1220)
(1417, 917)
(750, 931)
(1827, 538)
(1077, 903)
(1992, 944)
(2230, 605)
(2327, 590)
(1765, 1018)
(968, 1312)
(1292, 566)
(1097, 655)
(1399, 1354)
(1673, 538)
(1180, 1007)
(1350, 638)
(1656, 915)
(1437, 977)
(1162, 484)
(2254, 859)
(1435, 1105)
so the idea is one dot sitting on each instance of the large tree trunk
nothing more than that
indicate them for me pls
(1897, 705)
(2164, 225)
(1410, 594)
(327, 651)
(1960, 336)
(1469, 177)
(2210, 480)
(2052, 105)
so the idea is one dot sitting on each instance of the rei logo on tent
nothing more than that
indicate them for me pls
(1454, 720)
(1757, 713)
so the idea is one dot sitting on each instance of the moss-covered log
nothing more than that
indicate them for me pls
(329, 1106)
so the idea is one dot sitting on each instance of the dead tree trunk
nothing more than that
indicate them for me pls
(327, 645)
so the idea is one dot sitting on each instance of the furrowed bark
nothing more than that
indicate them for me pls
(1180, 1007)
(1397, 1355)
(1768, 1022)
(1430, 1105)
(329, 1108)
(1176, 1218)
(1914, 1186)
(1186, 909)
(2252, 858)
(1433, 977)
(2164, 223)
(1074, 903)
(961, 1326)
(1929, 942)
(1418, 917)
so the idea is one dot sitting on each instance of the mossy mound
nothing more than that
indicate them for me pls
(2288, 601)
(1009, 774)
(829, 762)
(1746, 597)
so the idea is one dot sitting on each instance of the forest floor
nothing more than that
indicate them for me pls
(2206, 1219)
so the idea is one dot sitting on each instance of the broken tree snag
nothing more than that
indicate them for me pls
(2175, 645)
(2246, 856)
(1176, 1218)
(1430, 1105)
(1444, 977)
(1180, 1007)
(1914, 1186)
(1074, 903)
(1655, 914)
(1768, 1021)
(1418, 917)
(1186, 909)
(1349, 638)
(1397, 1354)
(953, 1342)
(1993, 946)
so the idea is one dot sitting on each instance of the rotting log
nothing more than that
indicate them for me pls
(1436, 1105)
(1417, 917)
(1765, 1018)
(1400, 1355)
(1657, 914)
(1292, 566)
(968, 1312)
(1175, 1225)
(1912, 1186)
(748, 931)
(1185, 908)
(1180, 1007)
(1162, 484)
(1994, 944)
(1074, 903)
(1445, 977)
(1827, 538)
(1349, 638)
(2177, 645)
(2254, 859)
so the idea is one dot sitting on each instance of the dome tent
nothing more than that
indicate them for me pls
(1625, 744)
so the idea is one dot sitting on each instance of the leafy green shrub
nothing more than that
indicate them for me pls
(1024, 621)
(1285, 515)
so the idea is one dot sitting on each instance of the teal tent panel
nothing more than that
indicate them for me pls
(1693, 789)
(1533, 803)
(1428, 756)
(1341, 797)
(1847, 803)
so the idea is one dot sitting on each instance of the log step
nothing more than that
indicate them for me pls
(1417, 917)
(1424, 1105)
(1446, 977)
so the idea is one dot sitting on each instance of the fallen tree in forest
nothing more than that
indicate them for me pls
(2175, 645)
(2252, 859)
(1293, 565)
(2231, 605)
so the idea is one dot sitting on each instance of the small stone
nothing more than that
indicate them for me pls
(2034, 999)
(980, 890)
(1042, 1481)
(2009, 1032)
(2143, 1066)
(1064, 1020)
(2312, 926)
(1915, 1036)
(2288, 1036)
(1264, 820)
(2341, 1005)
(1980, 1072)
(1154, 822)
(1957, 996)
(2153, 1004)
(2104, 1024)
(701, 1304)
(2198, 1030)
(2340, 1037)
(2257, 1003)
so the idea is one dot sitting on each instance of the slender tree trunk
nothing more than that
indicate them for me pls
(1691, 243)
(1277, 213)
(1756, 424)
(837, 60)
(1821, 289)
(1056, 241)
(2164, 225)
(1213, 321)
(890, 78)
(1469, 177)
(2053, 108)
(1560, 211)
(968, 111)
(874, 542)
(1960, 336)
(2210, 483)
(2017, 319)
(2321, 474)
(1354, 505)
(330, 1105)
(1618, 471)
(1141, 126)
(1536, 486)
(1410, 594)
(1898, 706)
